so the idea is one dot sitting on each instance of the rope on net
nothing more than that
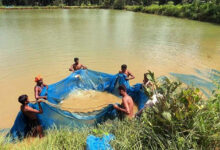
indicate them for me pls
(77, 110)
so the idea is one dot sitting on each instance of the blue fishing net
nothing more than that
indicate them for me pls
(79, 80)
(205, 80)
(99, 143)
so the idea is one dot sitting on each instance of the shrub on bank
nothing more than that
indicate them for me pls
(136, 8)
(107, 4)
(203, 12)
(119, 4)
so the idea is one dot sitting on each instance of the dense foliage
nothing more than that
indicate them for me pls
(181, 120)
(110, 3)
(204, 12)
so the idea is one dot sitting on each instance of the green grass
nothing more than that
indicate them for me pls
(182, 119)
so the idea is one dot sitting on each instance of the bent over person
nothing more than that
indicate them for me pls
(127, 104)
(39, 87)
(76, 65)
(32, 122)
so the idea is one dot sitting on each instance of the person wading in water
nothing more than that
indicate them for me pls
(76, 66)
(33, 125)
(38, 88)
(124, 70)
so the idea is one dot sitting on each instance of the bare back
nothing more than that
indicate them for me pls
(128, 103)
(77, 67)
(127, 73)
(28, 112)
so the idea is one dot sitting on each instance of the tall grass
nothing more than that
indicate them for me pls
(182, 119)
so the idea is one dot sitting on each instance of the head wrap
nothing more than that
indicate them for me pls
(38, 78)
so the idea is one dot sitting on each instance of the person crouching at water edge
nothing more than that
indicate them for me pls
(124, 70)
(76, 66)
(127, 104)
(38, 88)
(33, 124)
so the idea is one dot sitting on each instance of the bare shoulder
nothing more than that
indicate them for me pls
(124, 99)
(128, 72)
(129, 99)
(24, 108)
(27, 108)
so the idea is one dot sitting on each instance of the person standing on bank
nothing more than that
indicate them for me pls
(33, 123)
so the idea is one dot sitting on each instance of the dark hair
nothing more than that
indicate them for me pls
(122, 87)
(22, 99)
(124, 66)
(76, 59)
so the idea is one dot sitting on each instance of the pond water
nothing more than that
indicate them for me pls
(45, 42)
(89, 101)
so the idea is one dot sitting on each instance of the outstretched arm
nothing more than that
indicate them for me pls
(37, 95)
(35, 111)
(46, 85)
(83, 67)
(130, 76)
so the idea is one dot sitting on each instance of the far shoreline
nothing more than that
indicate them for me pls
(47, 7)
(152, 9)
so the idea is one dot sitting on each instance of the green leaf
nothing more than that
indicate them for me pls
(167, 116)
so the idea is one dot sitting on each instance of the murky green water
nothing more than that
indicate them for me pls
(45, 42)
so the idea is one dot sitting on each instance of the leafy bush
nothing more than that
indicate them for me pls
(134, 8)
(119, 4)
(147, 2)
(58, 2)
(107, 4)
(203, 12)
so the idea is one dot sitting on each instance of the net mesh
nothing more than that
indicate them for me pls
(54, 116)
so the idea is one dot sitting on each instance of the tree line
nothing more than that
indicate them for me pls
(105, 3)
